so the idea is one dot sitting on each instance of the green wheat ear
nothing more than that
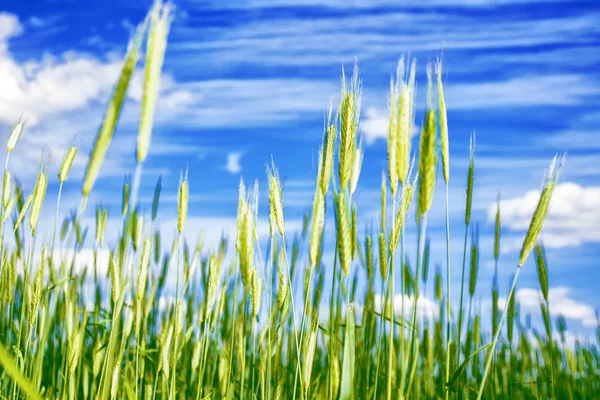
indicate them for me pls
(111, 116)
(349, 113)
(443, 118)
(405, 110)
(427, 163)
(541, 209)
(15, 134)
(66, 164)
(542, 271)
(39, 192)
(275, 201)
(474, 262)
(326, 164)
(182, 203)
(497, 229)
(382, 257)
(344, 231)
(160, 20)
(438, 286)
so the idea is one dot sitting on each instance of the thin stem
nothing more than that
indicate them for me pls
(253, 338)
(491, 350)
(332, 348)
(413, 340)
(391, 278)
(402, 292)
(243, 377)
(175, 345)
(495, 285)
(384, 295)
(448, 321)
(234, 325)
(551, 341)
(135, 188)
(137, 352)
(289, 278)
(468, 350)
(462, 287)
(270, 286)
(204, 350)
(304, 311)
(2, 209)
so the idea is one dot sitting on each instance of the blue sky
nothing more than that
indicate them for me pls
(247, 80)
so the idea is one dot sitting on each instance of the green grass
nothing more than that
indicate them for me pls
(245, 323)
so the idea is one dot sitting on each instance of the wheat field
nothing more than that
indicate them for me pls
(247, 320)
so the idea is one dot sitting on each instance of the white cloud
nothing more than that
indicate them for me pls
(571, 340)
(233, 162)
(561, 304)
(84, 260)
(52, 85)
(64, 95)
(63, 83)
(425, 306)
(374, 125)
(9, 26)
(573, 217)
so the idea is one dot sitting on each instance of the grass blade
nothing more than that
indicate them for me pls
(347, 385)
(10, 367)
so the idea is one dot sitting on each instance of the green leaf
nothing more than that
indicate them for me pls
(349, 357)
(464, 364)
(403, 323)
(129, 390)
(59, 283)
(10, 367)
(325, 331)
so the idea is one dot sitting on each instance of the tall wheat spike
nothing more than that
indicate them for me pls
(533, 231)
(160, 20)
(111, 116)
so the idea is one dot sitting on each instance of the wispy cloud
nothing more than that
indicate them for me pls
(288, 39)
(47, 23)
(366, 4)
(574, 140)
(535, 90)
(255, 102)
